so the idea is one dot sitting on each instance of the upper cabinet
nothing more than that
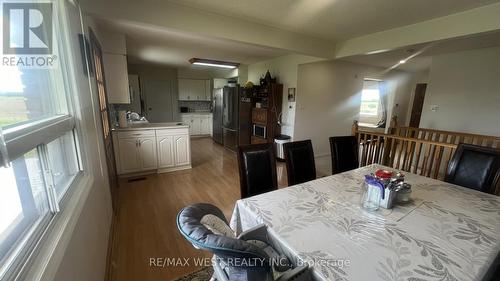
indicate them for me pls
(116, 75)
(194, 89)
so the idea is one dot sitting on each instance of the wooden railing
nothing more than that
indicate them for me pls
(423, 157)
(447, 136)
(426, 152)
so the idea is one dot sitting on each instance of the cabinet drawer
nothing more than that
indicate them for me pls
(172, 132)
(136, 134)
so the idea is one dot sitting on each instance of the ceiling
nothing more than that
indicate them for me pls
(419, 57)
(334, 19)
(151, 44)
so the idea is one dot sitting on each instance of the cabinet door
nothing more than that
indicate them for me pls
(165, 146)
(147, 153)
(184, 89)
(129, 155)
(196, 125)
(208, 90)
(117, 85)
(210, 125)
(205, 125)
(182, 150)
(197, 89)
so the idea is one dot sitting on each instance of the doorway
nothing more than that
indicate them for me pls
(418, 103)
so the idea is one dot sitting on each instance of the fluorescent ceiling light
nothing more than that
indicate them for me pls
(214, 63)
(402, 61)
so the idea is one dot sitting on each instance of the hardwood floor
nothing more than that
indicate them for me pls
(146, 222)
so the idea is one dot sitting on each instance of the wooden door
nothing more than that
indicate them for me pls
(97, 59)
(165, 146)
(129, 155)
(181, 150)
(148, 153)
(418, 103)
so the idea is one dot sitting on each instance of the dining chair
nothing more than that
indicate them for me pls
(257, 167)
(476, 167)
(299, 159)
(344, 150)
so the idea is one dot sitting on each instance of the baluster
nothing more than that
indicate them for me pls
(438, 161)
(419, 150)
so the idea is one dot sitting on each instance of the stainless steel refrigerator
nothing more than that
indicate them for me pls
(217, 133)
(236, 117)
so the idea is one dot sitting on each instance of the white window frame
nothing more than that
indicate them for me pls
(17, 139)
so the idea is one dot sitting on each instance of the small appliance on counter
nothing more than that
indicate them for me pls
(184, 109)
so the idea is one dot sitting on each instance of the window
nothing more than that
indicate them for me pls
(370, 98)
(39, 157)
(371, 111)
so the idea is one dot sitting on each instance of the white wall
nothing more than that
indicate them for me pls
(466, 87)
(285, 69)
(330, 98)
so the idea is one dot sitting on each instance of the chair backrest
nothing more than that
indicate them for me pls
(475, 167)
(257, 166)
(299, 158)
(191, 226)
(344, 152)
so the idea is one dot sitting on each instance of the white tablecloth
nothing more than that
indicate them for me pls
(447, 233)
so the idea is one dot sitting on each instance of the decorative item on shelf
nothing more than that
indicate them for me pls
(268, 77)
(248, 85)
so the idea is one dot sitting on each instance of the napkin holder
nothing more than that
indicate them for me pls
(389, 197)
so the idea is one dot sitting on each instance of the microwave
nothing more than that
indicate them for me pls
(259, 131)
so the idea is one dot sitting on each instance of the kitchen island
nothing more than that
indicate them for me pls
(143, 148)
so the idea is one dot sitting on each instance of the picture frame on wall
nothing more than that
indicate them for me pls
(291, 94)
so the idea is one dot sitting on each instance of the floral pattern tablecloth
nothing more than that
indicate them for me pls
(446, 233)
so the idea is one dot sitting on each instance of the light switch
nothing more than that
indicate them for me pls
(434, 107)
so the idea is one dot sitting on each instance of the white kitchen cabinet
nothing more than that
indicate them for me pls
(129, 155)
(116, 75)
(181, 150)
(208, 90)
(161, 149)
(148, 153)
(174, 150)
(196, 125)
(194, 89)
(136, 151)
(165, 146)
(199, 124)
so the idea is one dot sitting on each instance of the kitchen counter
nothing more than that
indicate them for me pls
(152, 126)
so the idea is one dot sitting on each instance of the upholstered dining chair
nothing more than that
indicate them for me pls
(257, 167)
(299, 158)
(344, 152)
(476, 167)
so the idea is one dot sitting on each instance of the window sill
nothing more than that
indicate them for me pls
(46, 260)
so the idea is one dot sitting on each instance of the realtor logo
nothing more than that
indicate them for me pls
(27, 28)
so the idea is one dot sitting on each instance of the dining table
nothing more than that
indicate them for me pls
(445, 232)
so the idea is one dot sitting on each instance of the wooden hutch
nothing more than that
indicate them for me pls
(270, 98)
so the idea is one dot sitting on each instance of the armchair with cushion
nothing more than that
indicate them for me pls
(247, 257)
